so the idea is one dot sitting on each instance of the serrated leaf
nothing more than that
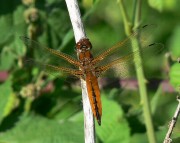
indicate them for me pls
(114, 128)
(36, 129)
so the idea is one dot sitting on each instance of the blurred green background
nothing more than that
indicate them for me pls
(40, 108)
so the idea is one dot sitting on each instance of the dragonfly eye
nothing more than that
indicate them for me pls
(88, 44)
(83, 45)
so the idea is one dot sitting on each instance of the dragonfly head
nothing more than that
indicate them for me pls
(83, 45)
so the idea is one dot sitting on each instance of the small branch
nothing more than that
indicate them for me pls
(172, 123)
(79, 33)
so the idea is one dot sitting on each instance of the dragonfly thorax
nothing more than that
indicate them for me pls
(86, 65)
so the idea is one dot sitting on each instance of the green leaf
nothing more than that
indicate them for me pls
(114, 128)
(87, 4)
(155, 100)
(67, 38)
(142, 137)
(7, 21)
(20, 28)
(49, 2)
(160, 5)
(7, 99)
(19, 47)
(69, 109)
(6, 29)
(165, 109)
(176, 140)
(156, 4)
(174, 42)
(59, 26)
(7, 58)
(176, 130)
(139, 138)
(36, 129)
(175, 75)
(19, 20)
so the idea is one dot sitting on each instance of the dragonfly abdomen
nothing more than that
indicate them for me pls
(94, 95)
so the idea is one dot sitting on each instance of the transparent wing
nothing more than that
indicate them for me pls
(55, 70)
(52, 61)
(50, 55)
(145, 36)
(123, 67)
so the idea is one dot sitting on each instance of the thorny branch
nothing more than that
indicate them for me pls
(172, 123)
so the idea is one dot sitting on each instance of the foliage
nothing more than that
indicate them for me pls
(36, 107)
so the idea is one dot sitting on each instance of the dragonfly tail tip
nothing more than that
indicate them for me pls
(99, 121)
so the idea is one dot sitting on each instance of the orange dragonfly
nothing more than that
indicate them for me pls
(89, 68)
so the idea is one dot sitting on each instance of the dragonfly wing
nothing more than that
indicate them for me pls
(50, 55)
(145, 36)
(124, 66)
(54, 69)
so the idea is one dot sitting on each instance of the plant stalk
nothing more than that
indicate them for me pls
(139, 71)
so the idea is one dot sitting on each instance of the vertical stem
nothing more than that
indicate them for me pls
(139, 71)
(142, 82)
(27, 106)
(144, 97)
(137, 13)
(79, 33)
(127, 23)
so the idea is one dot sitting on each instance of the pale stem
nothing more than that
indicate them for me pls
(79, 33)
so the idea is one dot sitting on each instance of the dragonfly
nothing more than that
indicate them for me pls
(90, 68)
